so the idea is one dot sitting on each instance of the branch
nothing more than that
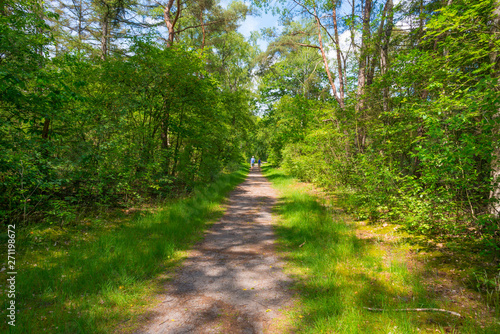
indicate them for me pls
(295, 33)
(198, 25)
(309, 45)
(316, 17)
(413, 310)
(159, 4)
(169, 5)
(325, 60)
(177, 13)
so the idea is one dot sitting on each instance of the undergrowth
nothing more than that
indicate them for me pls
(98, 275)
(341, 267)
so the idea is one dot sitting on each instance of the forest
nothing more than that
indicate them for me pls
(391, 105)
(98, 109)
(394, 105)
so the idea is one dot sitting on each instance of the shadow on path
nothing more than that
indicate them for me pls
(232, 281)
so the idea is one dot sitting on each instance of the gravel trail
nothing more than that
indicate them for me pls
(232, 281)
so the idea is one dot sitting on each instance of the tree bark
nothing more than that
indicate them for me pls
(384, 50)
(165, 143)
(325, 60)
(495, 161)
(352, 27)
(339, 56)
(169, 22)
(360, 104)
(202, 30)
(46, 127)
(79, 13)
(105, 33)
(495, 30)
(178, 144)
(362, 54)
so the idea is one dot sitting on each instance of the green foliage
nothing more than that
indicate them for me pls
(339, 274)
(90, 132)
(100, 272)
(443, 171)
(420, 144)
(490, 284)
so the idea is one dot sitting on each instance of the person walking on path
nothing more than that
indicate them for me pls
(258, 163)
(232, 281)
(252, 162)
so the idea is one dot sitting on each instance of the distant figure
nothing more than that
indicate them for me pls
(259, 162)
(252, 162)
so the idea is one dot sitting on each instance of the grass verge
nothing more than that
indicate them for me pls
(342, 266)
(101, 275)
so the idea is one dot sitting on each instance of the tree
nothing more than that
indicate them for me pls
(98, 116)
(420, 107)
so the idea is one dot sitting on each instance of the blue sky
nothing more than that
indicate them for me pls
(255, 23)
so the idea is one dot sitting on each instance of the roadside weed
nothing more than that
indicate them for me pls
(100, 276)
(342, 267)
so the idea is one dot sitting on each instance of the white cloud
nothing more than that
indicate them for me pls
(345, 45)
(251, 23)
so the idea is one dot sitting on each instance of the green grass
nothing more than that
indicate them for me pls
(100, 275)
(339, 273)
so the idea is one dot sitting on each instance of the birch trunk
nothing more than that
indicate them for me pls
(339, 56)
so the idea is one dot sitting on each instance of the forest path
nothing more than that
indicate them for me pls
(232, 281)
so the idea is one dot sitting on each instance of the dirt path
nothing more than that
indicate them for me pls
(232, 282)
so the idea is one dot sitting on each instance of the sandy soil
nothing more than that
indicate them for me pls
(232, 281)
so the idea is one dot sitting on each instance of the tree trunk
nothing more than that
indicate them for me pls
(105, 33)
(164, 135)
(165, 144)
(177, 145)
(352, 27)
(360, 104)
(495, 161)
(372, 61)
(378, 44)
(80, 22)
(339, 56)
(202, 30)
(46, 127)
(176, 154)
(169, 22)
(325, 60)
(363, 54)
(384, 50)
